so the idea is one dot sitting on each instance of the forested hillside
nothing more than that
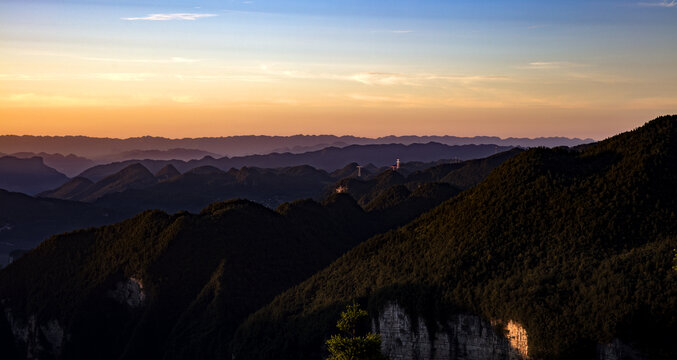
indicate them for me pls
(576, 246)
(177, 286)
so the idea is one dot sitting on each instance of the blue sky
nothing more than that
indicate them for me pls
(273, 62)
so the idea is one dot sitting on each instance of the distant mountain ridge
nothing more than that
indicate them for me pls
(25, 221)
(28, 176)
(92, 147)
(328, 159)
(70, 165)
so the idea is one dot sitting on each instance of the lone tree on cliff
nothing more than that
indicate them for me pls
(351, 346)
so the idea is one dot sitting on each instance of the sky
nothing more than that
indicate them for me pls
(346, 67)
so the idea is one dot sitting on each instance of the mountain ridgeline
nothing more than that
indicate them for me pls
(26, 221)
(134, 188)
(29, 176)
(96, 148)
(177, 286)
(328, 159)
(574, 245)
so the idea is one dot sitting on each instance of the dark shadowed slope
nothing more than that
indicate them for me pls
(201, 186)
(70, 165)
(460, 175)
(28, 176)
(575, 246)
(175, 286)
(134, 176)
(26, 221)
(166, 173)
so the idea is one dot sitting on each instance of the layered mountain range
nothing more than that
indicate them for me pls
(31, 175)
(95, 148)
(573, 245)
(134, 189)
(562, 253)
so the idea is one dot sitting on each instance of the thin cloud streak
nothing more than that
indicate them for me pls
(167, 17)
(383, 78)
(548, 65)
(173, 60)
(125, 77)
(664, 4)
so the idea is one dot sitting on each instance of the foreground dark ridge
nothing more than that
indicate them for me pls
(574, 246)
(178, 284)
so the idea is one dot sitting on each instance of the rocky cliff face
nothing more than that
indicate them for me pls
(466, 337)
(41, 340)
(129, 292)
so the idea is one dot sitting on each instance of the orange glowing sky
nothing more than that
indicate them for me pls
(121, 69)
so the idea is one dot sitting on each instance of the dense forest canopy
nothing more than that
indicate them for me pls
(574, 244)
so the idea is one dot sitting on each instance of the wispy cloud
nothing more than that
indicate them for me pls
(401, 31)
(665, 4)
(652, 103)
(376, 78)
(33, 99)
(548, 65)
(173, 60)
(122, 76)
(255, 78)
(382, 78)
(84, 76)
(176, 16)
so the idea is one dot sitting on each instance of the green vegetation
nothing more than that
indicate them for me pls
(202, 274)
(350, 345)
(574, 245)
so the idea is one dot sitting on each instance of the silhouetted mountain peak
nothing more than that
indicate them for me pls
(167, 172)
(28, 175)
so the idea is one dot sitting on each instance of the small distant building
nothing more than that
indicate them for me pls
(341, 189)
(396, 166)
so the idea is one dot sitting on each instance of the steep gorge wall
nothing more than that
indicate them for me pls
(40, 340)
(466, 337)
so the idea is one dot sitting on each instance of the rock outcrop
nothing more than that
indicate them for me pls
(129, 292)
(464, 336)
(40, 339)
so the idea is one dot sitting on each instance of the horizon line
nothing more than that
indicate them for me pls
(301, 134)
